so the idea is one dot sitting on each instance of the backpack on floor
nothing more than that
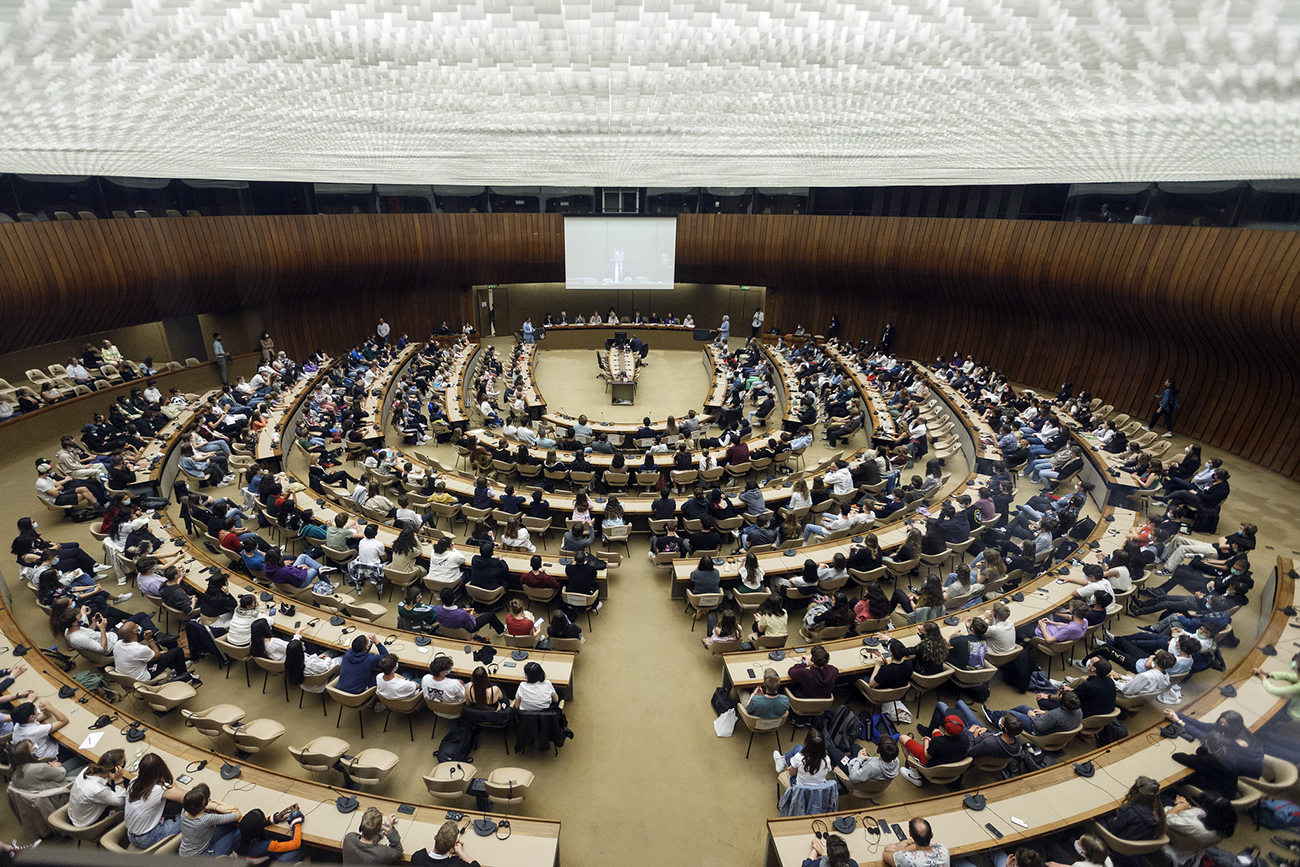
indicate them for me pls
(843, 728)
(1034, 758)
(456, 744)
(1111, 732)
(721, 701)
(1277, 813)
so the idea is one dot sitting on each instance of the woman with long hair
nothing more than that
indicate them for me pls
(406, 550)
(31, 773)
(300, 665)
(866, 556)
(100, 789)
(808, 762)
(724, 628)
(146, 819)
(482, 693)
(1140, 815)
(932, 652)
(751, 576)
(771, 619)
(799, 497)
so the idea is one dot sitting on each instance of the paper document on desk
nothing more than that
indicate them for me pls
(90, 741)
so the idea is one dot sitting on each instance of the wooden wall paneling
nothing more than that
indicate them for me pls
(1114, 307)
(1285, 270)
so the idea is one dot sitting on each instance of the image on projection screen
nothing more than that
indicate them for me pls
(629, 253)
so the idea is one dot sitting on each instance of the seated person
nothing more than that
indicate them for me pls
(767, 701)
(816, 680)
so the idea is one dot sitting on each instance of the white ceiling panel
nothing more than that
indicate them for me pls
(666, 93)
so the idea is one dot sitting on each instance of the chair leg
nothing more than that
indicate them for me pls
(265, 675)
(434, 733)
(340, 717)
(751, 745)
(361, 720)
(410, 726)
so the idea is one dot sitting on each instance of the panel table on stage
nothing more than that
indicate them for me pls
(594, 336)
(621, 372)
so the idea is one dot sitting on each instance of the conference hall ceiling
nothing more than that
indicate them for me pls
(663, 93)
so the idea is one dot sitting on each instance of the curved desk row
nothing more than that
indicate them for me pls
(1043, 595)
(1056, 798)
(318, 630)
(158, 450)
(891, 534)
(532, 841)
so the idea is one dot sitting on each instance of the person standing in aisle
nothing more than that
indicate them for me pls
(1167, 403)
(756, 327)
(833, 330)
(528, 331)
(383, 330)
(220, 356)
(724, 330)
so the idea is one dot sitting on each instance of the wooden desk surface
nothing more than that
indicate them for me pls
(375, 405)
(454, 396)
(1056, 798)
(173, 434)
(558, 664)
(525, 367)
(882, 422)
(532, 841)
(785, 379)
(891, 534)
(713, 355)
(270, 439)
(1042, 595)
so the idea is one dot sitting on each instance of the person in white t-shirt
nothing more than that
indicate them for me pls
(391, 685)
(536, 692)
(98, 790)
(918, 851)
(38, 723)
(444, 565)
(437, 686)
(808, 763)
(145, 798)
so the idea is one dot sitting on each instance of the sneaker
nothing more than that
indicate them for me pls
(227, 480)
(122, 597)
(779, 760)
(913, 776)
(102, 568)
(1079, 664)
(195, 680)
(1163, 571)
(993, 720)
(1108, 635)
(1167, 434)
(378, 707)
(599, 605)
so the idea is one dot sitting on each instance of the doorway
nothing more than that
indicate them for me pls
(492, 306)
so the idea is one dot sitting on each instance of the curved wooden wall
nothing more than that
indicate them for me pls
(1114, 307)
(316, 276)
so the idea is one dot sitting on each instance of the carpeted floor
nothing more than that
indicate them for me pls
(673, 382)
(645, 773)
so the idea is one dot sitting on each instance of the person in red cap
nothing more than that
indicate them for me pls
(944, 746)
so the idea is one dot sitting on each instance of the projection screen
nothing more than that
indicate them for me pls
(625, 253)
